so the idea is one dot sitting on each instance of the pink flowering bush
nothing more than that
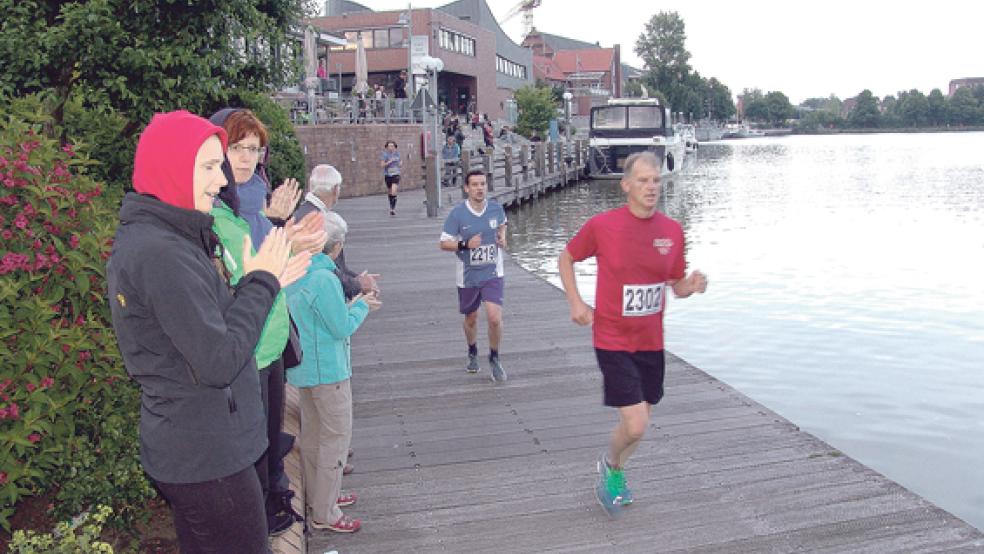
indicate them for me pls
(68, 412)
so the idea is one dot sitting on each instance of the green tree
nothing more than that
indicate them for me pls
(778, 108)
(718, 100)
(632, 89)
(865, 113)
(914, 109)
(661, 47)
(962, 108)
(753, 105)
(536, 108)
(937, 107)
(135, 58)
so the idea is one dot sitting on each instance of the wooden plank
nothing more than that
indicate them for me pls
(448, 462)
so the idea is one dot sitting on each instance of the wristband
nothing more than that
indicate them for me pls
(462, 246)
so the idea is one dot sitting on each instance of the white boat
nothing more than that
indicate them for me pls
(628, 125)
(741, 130)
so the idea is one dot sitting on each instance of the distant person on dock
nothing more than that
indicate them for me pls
(391, 163)
(640, 253)
(475, 231)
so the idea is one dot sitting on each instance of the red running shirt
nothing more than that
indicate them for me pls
(636, 259)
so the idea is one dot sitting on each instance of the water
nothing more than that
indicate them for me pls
(846, 290)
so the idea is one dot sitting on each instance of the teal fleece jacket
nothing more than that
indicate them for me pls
(326, 324)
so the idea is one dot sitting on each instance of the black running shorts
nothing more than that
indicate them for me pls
(631, 377)
(392, 179)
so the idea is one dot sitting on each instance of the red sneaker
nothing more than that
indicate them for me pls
(345, 524)
(346, 499)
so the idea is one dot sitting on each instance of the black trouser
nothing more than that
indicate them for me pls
(219, 516)
(267, 467)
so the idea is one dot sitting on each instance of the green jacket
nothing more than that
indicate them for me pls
(231, 229)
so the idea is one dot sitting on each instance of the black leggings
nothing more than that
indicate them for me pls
(267, 467)
(218, 516)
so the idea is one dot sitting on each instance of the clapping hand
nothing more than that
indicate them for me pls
(274, 257)
(308, 234)
(370, 299)
(284, 199)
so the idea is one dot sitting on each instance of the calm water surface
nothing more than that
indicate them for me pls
(846, 290)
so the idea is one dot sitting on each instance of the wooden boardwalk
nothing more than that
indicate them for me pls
(448, 462)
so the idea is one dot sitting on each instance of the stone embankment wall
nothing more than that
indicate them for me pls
(355, 149)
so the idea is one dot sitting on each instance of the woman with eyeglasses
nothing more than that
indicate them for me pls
(245, 211)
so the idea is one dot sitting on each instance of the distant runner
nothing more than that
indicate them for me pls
(475, 231)
(640, 253)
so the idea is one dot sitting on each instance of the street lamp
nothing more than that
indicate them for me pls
(406, 18)
(433, 66)
(567, 114)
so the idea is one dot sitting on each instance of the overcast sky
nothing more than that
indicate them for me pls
(803, 49)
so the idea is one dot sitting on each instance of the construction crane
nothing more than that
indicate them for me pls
(526, 8)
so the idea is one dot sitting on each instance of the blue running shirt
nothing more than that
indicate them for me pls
(477, 265)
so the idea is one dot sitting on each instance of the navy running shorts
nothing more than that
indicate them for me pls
(631, 377)
(469, 298)
(391, 179)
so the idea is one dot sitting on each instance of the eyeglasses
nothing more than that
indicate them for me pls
(258, 151)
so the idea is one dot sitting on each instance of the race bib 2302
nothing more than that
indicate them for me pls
(641, 300)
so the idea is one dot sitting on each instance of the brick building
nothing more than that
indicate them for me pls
(969, 82)
(482, 66)
(593, 74)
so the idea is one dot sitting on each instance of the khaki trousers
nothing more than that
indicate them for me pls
(326, 432)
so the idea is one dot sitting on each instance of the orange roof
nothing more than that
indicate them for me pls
(588, 59)
(545, 68)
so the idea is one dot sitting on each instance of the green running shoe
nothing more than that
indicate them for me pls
(611, 483)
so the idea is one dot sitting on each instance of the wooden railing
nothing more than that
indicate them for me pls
(514, 172)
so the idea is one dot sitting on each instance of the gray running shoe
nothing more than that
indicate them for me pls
(472, 364)
(497, 375)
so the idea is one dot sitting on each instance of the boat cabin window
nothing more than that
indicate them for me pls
(644, 117)
(609, 118)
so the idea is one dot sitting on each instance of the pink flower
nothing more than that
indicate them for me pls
(74, 241)
(34, 438)
(37, 244)
(68, 150)
(13, 411)
(20, 221)
(81, 198)
(3, 477)
(66, 348)
(7, 234)
(30, 387)
(80, 321)
(47, 382)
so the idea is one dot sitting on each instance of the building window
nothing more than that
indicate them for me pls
(391, 37)
(454, 42)
(510, 68)
(380, 38)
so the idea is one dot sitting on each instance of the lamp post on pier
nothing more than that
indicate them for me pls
(567, 114)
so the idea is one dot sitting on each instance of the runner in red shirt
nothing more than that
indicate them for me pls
(640, 255)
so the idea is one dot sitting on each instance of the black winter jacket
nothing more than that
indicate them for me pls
(188, 340)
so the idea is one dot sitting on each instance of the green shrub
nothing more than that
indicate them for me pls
(286, 155)
(68, 412)
(79, 537)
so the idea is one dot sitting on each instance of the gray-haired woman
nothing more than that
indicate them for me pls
(326, 321)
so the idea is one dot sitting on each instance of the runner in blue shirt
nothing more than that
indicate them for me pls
(475, 231)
